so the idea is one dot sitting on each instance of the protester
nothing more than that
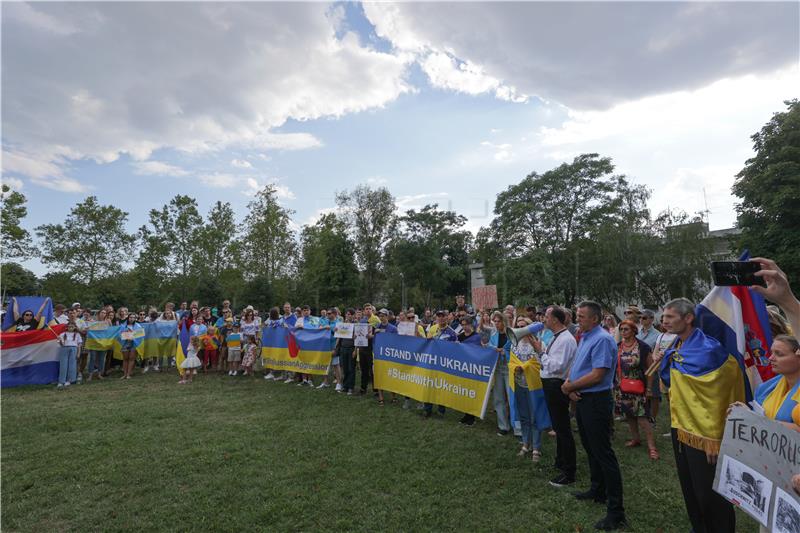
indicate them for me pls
(589, 384)
(250, 353)
(647, 331)
(345, 350)
(70, 341)
(384, 327)
(28, 321)
(499, 341)
(129, 354)
(233, 341)
(557, 359)
(443, 332)
(530, 403)
(97, 358)
(631, 386)
(703, 380)
(365, 352)
(192, 362)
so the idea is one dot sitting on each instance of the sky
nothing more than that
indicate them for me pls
(446, 103)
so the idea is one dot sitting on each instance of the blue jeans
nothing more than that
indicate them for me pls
(96, 358)
(499, 395)
(67, 364)
(523, 400)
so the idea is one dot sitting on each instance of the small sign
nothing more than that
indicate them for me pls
(343, 330)
(361, 331)
(407, 328)
(484, 297)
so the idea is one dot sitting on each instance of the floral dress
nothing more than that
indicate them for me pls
(631, 360)
(249, 356)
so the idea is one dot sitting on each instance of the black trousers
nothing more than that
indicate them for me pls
(348, 364)
(708, 511)
(365, 362)
(558, 405)
(595, 422)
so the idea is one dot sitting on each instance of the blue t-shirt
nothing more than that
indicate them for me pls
(290, 320)
(597, 349)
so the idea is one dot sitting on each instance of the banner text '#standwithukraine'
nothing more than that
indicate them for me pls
(437, 383)
(437, 360)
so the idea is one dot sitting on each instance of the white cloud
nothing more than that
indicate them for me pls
(14, 183)
(418, 201)
(446, 72)
(283, 192)
(220, 180)
(596, 54)
(677, 143)
(63, 184)
(252, 185)
(133, 78)
(319, 213)
(241, 163)
(377, 180)
(43, 169)
(158, 168)
(502, 152)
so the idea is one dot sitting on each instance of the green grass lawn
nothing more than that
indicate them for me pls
(234, 454)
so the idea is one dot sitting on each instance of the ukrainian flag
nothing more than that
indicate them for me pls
(102, 339)
(703, 378)
(160, 338)
(532, 369)
(301, 350)
(181, 347)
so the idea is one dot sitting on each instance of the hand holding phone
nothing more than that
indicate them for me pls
(736, 273)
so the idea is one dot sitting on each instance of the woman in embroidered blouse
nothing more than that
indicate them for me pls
(633, 358)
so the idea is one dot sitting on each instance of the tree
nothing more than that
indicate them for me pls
(370, 217)
(269, 245)
(91, 242)
(328, 271)
(769, 187)
(17, 281)
(431, 252)
(16, 240)
(218, 246)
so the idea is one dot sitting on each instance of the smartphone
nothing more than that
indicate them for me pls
(731, 273)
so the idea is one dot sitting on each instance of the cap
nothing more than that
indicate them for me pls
(441, 312)
(633, 309)
(236, 324)
(248, 308)
(76, 304)
(383, 311)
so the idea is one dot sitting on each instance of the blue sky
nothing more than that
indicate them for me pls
(442, 103)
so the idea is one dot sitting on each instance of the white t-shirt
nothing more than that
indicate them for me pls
(70, 338)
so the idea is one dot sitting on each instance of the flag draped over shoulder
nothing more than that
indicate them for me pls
(532, 370)
(704, 379)
(737, 318)
(181, 347)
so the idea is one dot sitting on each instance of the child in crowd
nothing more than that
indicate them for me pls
(71, 341)
(233, 341)
(210, 348)
(250, 352)
(192, 362)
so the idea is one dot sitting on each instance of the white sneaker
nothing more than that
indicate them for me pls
(310, 383)
(339, 387)
(323, 385)
(60, 386)
(270, 376)
(146, 370)
(66, 384)
(156, 368)
(230, 372)
(301, 383)
(288, 380)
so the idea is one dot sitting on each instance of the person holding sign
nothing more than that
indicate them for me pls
(345, 351)
(443, 332)
(703, 380)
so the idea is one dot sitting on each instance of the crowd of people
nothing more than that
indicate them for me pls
(591, 368)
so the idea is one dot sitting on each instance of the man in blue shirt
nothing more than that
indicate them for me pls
(443, 332)
(589, 384)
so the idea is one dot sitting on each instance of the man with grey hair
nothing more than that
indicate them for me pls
(704, 379)
(589, 383)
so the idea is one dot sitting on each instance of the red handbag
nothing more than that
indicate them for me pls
(628, 385)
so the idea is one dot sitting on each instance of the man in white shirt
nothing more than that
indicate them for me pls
(556, 362)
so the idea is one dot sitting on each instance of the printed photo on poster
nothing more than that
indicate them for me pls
(343, 330)
(407, 328)
(361, 331)
(786, 517)
(746, 488)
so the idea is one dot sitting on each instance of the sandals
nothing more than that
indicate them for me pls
(523, 451)
(633, 443)
(654, 454)
(380, 402)
(536, 455)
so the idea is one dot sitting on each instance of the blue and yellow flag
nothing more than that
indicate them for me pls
(160, 339)
(703, 379)
(181, 347)
(301, 350)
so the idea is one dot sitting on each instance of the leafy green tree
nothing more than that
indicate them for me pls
(91, 242)
(218, 245)
(370, 217)
(16, 240)
(769, 189)
(269, 247)
(431, 251)
(64, 288)
(17, 281)
(328, 271)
